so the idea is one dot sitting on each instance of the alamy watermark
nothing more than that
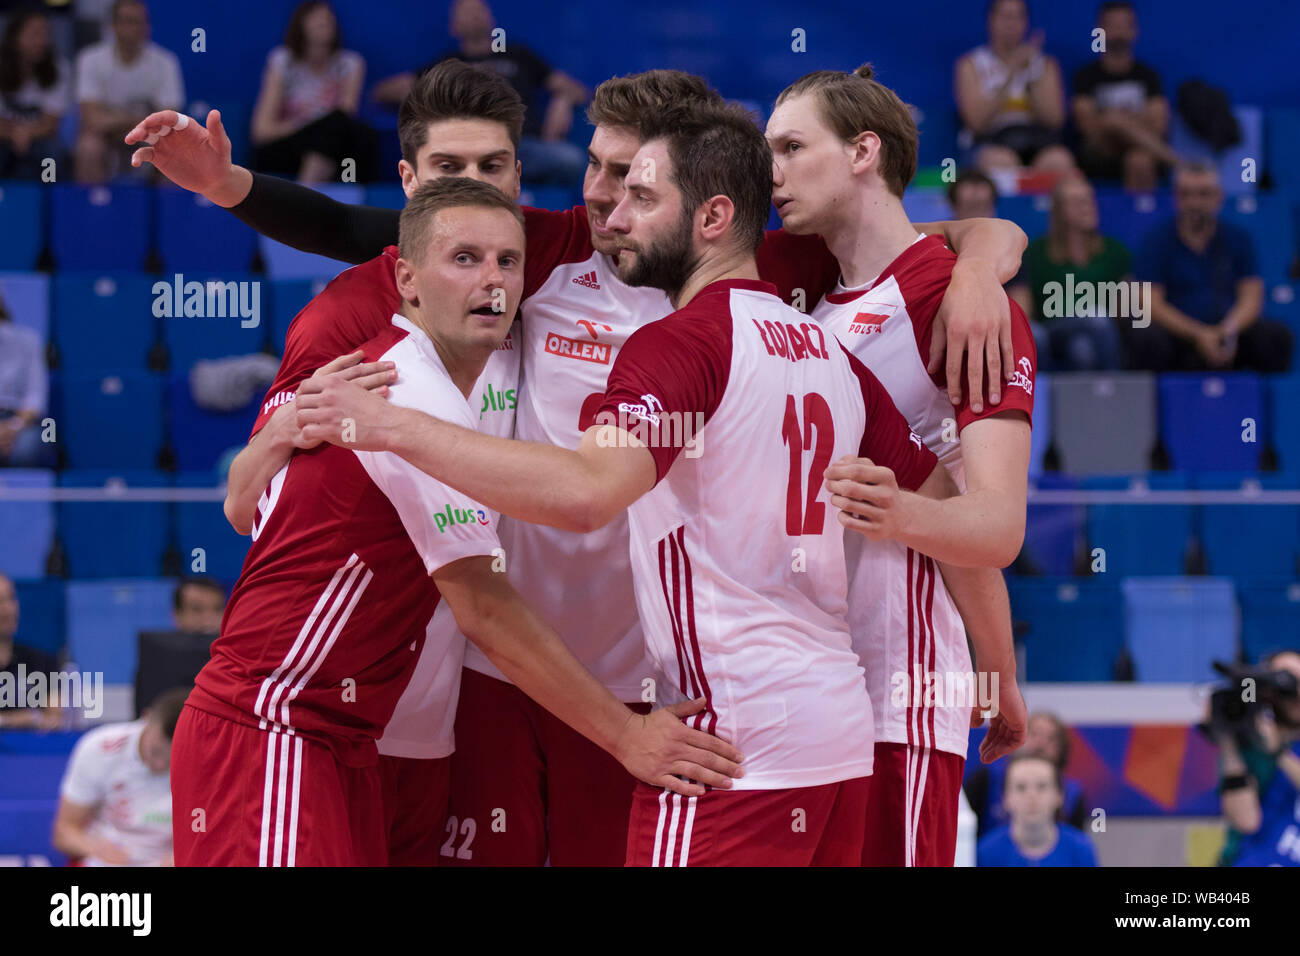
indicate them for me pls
(1085, 300)
(648, 423)
(210, 299)
(66, 690)
(946, 689)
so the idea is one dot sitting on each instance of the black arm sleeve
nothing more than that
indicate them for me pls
(313, 222)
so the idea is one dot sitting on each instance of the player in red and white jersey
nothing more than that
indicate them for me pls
(275, 751)
(115, 802)
(577, 315)
(845, 149)
(734, 397)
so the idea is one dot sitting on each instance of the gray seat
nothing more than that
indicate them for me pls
(1104, 422)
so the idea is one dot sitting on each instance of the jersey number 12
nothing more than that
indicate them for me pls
(807, 516)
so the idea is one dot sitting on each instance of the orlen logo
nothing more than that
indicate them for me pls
(867, 323)
(452, 516)
(577, 349)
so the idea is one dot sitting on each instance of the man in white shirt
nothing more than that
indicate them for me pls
(116, 79)
(115, 803)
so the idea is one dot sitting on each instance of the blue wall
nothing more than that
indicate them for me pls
(743, 46)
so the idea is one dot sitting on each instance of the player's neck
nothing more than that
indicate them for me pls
(1038, 838)
(463, 366)
(710, 270)
(869, 236)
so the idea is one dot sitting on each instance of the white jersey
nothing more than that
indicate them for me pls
(576, 315)
(737, 555)
(134, 803)
(905, 626)
(423, 722)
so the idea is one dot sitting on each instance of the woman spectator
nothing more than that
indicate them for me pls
(1072, 257)
(35, 89)
(304, 123)
(1010, 96)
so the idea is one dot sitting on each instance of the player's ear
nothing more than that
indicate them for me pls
(866, 151)
(519, 178)
(405, 278)
(409, 182)
(719, 213)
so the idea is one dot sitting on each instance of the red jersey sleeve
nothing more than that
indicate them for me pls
(553, 237)
(793, 262)
(667, 382)
(350, 311)
(923, 286)
(887, 439)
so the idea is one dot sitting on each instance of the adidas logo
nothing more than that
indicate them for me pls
(589, 280)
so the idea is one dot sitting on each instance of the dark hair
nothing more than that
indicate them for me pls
(1020, 756)
(717, 151)
(295, 35)
(993, 5)
(1114, 6)
(855, 103)
(1062, 736)
(119, 4)
(205, 583)
(627, 100)
(453, 89)
(969, 177)
(46, 69)
(165, 709)
(445, 192)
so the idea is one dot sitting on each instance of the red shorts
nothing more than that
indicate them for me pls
(524, 786)
(912, 814)
(802, 826)
(415, 807)
(248, 797)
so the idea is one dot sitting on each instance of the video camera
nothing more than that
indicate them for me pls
(1235, 704)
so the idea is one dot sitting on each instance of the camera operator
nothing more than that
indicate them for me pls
(1258, 736)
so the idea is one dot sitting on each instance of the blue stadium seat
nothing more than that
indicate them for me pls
(1177, 626)
(190, 338)
(937, 125)
(1268, 220)
(288, 296)
(101, 227)
(1040, 437)
(1284, 414)
(1282, 142)
(41, 614)
(103, 321)
(110, 420)
(1027, 212)
(27, 297)
(1140, 538)
(1128, 218)
(22, 224)
(26, 527)
(203, 525)
(549, 197)
(1282, 302)
(1270, 618)
(1250, 119)
(196, 236)
(111, 539)
(1053, 532)
(926, 204)
(104, 618)
(1201, 420)
(1075, 627)
(200, 437)
(386, 196)
(1259, 543)
(283, 262)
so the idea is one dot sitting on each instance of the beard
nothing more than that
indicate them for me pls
(663, 264)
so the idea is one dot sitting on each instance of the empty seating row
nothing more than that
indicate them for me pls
(105, 538)
(1148, 628)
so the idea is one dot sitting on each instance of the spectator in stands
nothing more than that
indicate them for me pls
(115, 803)
(1010, 96)
(305, 121)
(1034, 837)
(1259, 782)
(24, 389)
(198, 604)
(1120, 108)
(1206, 292)
(35, 91)
(1073, 255)
(544, 151)
(118, 81)
(1045, 734)
(14, 709)
(972, 195)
